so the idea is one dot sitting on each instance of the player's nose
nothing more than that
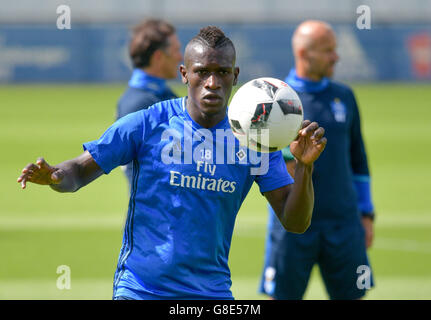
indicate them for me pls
(335, 57)
(212, 81)
(179, 56)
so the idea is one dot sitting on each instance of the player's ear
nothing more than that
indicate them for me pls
(183, 72)
(302, 53)
(235, 75)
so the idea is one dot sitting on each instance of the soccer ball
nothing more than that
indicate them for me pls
(265, 114)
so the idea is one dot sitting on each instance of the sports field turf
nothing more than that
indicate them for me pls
(41, 230)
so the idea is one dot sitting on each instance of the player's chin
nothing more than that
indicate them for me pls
(212, 105)
(172, 75)
(330, 72)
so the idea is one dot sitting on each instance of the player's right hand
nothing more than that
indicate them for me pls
(40, 173)
(310, 142)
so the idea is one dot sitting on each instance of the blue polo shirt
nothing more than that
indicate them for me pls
(343, 164)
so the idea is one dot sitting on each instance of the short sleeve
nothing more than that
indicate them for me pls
(276, 176)
(120, 143)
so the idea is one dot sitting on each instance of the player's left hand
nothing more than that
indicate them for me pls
(309, 144)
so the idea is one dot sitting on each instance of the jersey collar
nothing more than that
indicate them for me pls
(305, 85)
(142, 80)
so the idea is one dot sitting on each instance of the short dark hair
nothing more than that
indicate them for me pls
(212, 37)
(147, 37)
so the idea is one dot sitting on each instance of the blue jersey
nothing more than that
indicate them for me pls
(334, 107)
(186, 192)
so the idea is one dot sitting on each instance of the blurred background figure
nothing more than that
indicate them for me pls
(155, 52)
(336, 239)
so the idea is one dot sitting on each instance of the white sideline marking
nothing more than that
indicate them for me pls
(396, 244)
(244, 223)
(63, 223)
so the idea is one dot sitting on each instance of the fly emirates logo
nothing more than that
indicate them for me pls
(202, 182)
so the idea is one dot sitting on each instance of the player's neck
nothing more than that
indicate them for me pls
(203, 119)
(154, 71)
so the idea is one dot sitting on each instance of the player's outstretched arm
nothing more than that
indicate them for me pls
(293, 204)
(68, 176)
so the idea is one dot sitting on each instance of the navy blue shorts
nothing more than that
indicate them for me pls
(338, 249)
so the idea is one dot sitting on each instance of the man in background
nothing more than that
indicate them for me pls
(342, 223)
(155, 52)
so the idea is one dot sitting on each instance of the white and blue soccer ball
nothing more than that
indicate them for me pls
(265, 114)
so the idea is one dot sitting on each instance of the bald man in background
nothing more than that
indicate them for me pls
(342, 223)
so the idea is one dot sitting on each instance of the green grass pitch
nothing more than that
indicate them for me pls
(41, 230)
